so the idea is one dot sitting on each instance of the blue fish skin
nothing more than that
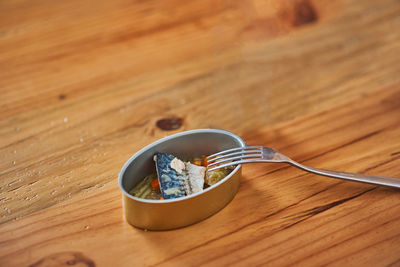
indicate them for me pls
(171, 182)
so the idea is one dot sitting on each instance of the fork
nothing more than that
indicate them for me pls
(250, 154)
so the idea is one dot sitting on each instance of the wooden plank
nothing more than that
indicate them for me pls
(283, 210)
(82, 87)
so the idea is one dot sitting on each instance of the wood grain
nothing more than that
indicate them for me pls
(84, 86)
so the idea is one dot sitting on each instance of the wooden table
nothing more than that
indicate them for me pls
(84, 85)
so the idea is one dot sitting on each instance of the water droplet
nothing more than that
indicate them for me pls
(53, 192)
(62, 186)
(81, 140)
(27, 198)
(87, 227)
(14, 162)
(8, 211)
(15, 151)
(65, 119)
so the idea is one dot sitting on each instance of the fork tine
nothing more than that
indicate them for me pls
(234, 150)
(235, 163)
(233, 154)
(252, 156)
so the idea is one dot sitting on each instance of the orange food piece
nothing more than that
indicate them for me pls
(155, 184)
(197, 162)
(205, 162)
(161, 198)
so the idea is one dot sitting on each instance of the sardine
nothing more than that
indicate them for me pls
(177, 178)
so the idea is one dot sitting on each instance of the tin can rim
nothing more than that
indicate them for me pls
(141, 151)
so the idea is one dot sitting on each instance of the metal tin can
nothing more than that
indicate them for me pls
(175, 213)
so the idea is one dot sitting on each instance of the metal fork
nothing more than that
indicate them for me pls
(250, 154)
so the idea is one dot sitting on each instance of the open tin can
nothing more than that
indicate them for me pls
(175, 213)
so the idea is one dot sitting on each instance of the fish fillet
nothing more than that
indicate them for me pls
(177, 178)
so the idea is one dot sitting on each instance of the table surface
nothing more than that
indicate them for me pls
(84, 85)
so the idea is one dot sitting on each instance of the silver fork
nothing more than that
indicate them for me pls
(250, 154)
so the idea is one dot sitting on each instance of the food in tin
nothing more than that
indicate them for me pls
(175, 178)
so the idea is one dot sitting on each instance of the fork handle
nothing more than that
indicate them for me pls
(363, 178)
